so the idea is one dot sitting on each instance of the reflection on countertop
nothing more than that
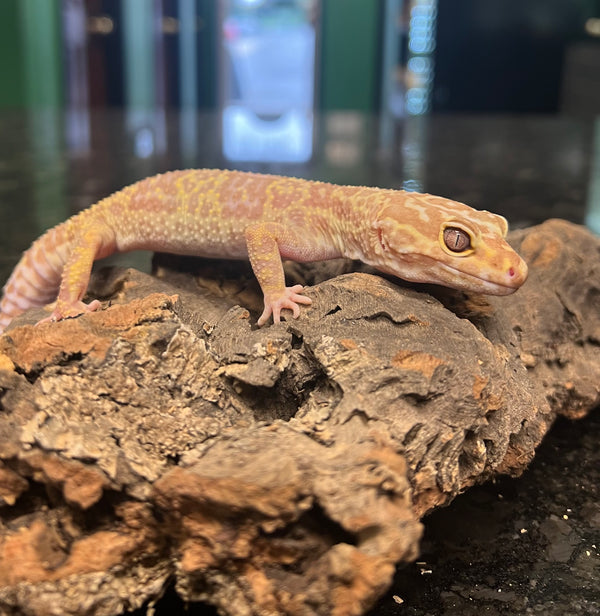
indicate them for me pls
(528, 168)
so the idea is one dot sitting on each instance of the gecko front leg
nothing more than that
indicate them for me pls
(266, 243)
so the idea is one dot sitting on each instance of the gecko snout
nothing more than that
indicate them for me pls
(516, 274)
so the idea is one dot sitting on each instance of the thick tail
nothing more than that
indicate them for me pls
(36, 278)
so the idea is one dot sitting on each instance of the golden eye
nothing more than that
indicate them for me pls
(456, 239)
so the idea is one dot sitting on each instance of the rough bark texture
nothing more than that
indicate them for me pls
(281, 470)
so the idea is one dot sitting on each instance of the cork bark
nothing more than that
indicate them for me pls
(282, 470)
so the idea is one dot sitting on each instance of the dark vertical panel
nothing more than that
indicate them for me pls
(208, 39)
(170, 33)
(504, 55)
(113, 49)
(105, 52)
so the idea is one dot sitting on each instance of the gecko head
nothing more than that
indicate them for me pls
(423, 238)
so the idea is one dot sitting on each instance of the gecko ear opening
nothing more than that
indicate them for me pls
(382, 229)
(381, 238)
(390, 236)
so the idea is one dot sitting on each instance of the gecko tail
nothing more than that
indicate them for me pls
(36, 279)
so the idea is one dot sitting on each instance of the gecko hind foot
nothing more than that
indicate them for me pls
(61, 312)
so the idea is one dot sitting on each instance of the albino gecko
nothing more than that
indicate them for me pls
(238, 215)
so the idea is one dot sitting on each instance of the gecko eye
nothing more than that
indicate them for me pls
(456, 239)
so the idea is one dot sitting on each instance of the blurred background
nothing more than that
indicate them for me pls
(269, 58)
(490, 102)
(495, 103)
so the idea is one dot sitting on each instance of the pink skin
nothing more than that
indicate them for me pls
(290, 301)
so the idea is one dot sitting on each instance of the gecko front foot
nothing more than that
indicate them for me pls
(64, 311)
(289, 299)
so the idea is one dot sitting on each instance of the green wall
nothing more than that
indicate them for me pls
(11, 59)
(41, 32)
(30, 53)
(350, 54)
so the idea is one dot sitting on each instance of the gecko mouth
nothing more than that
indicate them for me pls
(426, 270)
(476, 284)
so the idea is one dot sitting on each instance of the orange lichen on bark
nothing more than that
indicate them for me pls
(417, 361)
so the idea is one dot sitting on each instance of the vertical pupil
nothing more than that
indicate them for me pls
(456, 239)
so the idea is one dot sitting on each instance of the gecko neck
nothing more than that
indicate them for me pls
(356, 209)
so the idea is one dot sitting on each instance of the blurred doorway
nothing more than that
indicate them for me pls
(268, 74)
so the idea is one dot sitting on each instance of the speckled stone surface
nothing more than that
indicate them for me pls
(524, 546)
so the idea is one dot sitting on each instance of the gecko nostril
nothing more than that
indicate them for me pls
(511, 271)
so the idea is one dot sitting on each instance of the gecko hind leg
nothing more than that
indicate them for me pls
(76, 276)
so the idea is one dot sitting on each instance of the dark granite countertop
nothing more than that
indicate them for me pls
(527, 546)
